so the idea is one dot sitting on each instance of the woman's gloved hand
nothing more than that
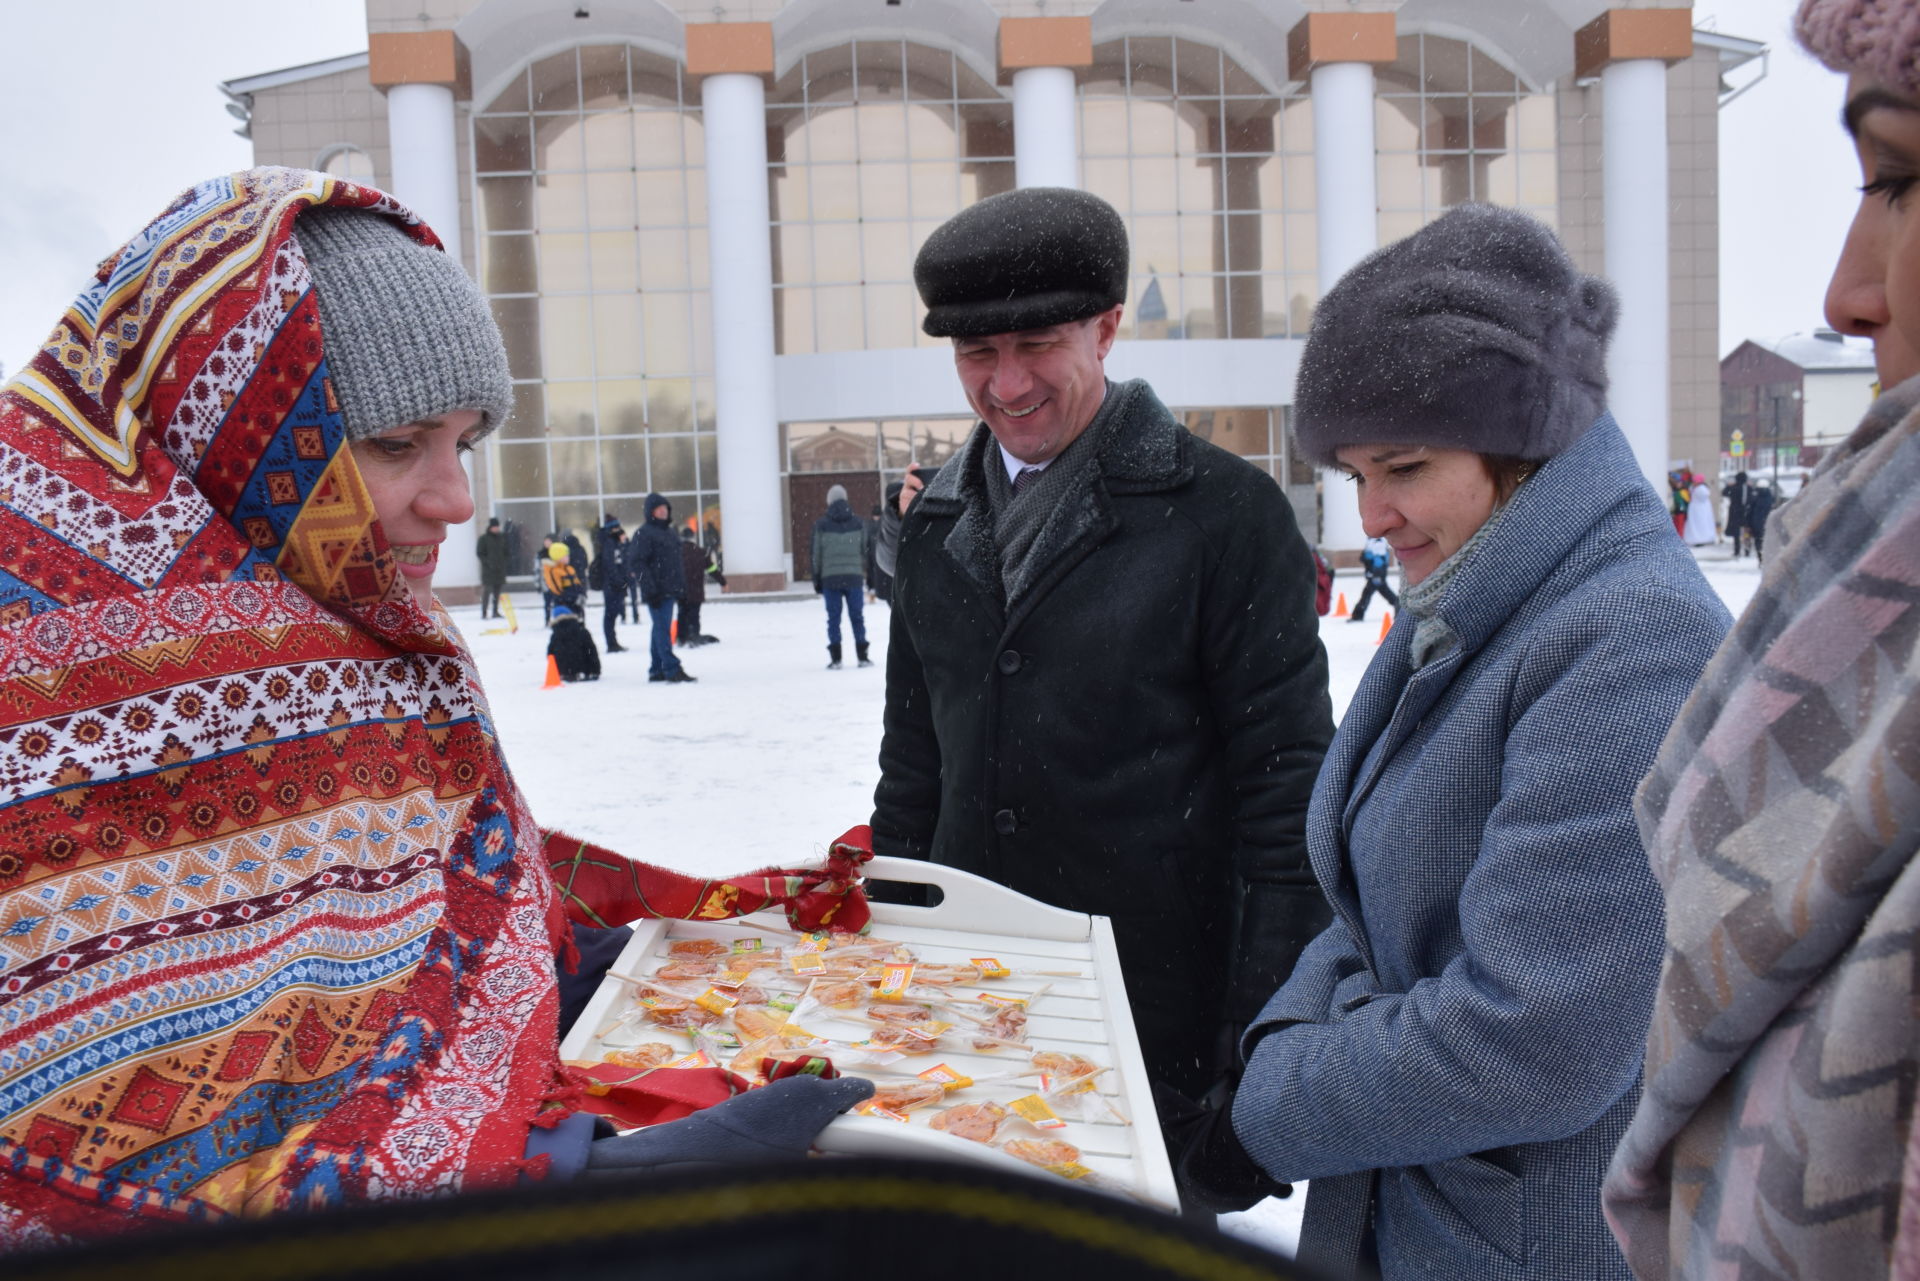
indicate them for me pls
(774, 1123)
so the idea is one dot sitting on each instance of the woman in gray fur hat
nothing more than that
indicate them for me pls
(1454, 1058)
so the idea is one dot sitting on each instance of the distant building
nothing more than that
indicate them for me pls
(1783, 402)
(697, 223)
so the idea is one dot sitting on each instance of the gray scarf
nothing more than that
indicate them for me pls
(1432, 636)
(1020, 520)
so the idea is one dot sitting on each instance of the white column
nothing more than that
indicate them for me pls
(426, 178)
(1347, 220)
(1634, 176)
(1046, 130)
(738, 221)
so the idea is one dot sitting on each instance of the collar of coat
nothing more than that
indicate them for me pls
(1144, 450)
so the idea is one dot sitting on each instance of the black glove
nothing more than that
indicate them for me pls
(774, 1123)
(1212, 1169)
(818, 590)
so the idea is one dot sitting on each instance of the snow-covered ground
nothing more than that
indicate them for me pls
(769, 756)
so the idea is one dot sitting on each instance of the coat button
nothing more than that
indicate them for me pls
(1009, 662)
(1005, 823)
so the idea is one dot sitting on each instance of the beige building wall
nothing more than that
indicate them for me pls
(298, 124)
(387, 16)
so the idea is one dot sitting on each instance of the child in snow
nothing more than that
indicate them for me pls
(572, 647)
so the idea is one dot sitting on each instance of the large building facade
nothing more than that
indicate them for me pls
(697, 224)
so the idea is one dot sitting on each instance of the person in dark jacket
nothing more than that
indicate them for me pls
(1453, 1060)
(1737, 491)
(696, 564)
(839, 566)
(1105, 684)
(1759, 508)
(656, 563)
(572, 648)
(610, 567)
(491, 548)
(880, 581)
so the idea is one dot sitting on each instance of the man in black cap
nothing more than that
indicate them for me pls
(1105, 685)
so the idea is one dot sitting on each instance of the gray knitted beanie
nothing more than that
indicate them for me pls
(1476, 332)
(408, 335)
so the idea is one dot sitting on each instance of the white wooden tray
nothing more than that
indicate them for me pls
(1085, 1015)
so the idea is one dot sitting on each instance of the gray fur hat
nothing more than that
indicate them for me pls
(1476, 332)
(408, 335)
(1022, 260)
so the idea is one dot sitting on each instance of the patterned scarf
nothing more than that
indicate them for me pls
(276, 926)
(1782, 816)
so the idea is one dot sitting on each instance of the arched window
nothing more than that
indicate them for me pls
(345, 160)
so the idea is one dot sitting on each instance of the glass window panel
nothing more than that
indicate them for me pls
(566, 337)
(836, 251)
(575, 466)
(506, 204)
(673, 465)
(1198, 251)
(1401, 181)
(1155, 183)
(1393, 126)
(570, 409)
(696, 196)
(707, 446)
(889, 315)
(1303, 294)
(704, 419)
(836, 192)
(658, 138)
(623, 465)
(1108, 180)
(931, 134)
(526, 523)
(623, 406)
(883, 191)
(610, 201)
(563, 262)
(933, 189)
(669, 405)
(1152, 126)
(1497, 181)
(1103, 127)
(556, 83)
(1303, 243)
(787, 194)
(522, 469)
(838, 312)
(663, 259)
(986, 178)
(662, 198)
(529, 417)
(795, 309)
(519, 321)
(616, 335)
(1398, 225)
(507, 265)
(502, 143)
(603, 75)
(1237, 82)
(1148, 61)
(795, 256)
(832, 135)
(615, 265)
(607, 140)
(881, 131)
(1539, 180)
(666, 321)
(513, 97)
(1298, 186)
(1199, 185)
(1296, 126)
(559, 143)
(790, 123)
(929, 72)
(561, 201)
(888, 251)
(699, 257)
(1156, 244)
(1536, 129)
(578, 516)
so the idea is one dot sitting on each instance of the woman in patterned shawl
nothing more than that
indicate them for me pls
(276, 927)
(1775, 1137)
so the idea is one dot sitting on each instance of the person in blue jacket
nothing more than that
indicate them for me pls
(1453, 1060)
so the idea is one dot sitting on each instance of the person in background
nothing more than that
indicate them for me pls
(1701, 530)
(571, 647)
(1452, 1061)
(491, 548)
(610, 566)
(839, 564)
(1777, 1137)
(1105, 683)
(696, 566)
(663, 580)
(1680, 492)
(1736, 492)
(308, 944)
(1376, 559)
(562, 580)
(1759, 509)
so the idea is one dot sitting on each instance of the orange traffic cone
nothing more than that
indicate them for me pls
(1340, 606)
(553, 674)
(1386, 625)
(673, 630)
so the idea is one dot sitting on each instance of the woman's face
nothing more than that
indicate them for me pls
(1875, 291)
(419, 488)
(1425, 502)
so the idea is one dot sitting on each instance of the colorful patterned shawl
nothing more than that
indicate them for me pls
(1782, 816)
(276, 927)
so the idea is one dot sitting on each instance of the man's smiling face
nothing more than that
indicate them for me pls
(1037, 390)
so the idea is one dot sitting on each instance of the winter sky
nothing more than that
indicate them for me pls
(111, 108)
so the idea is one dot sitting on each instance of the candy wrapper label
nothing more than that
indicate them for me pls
(1066, 1085)
(995, 999)
(715, 1001)
(947, 1077)
(893, 982)
(804, 963)
(730, 978)
(867, 1107)
(815, 942)
(1034, 1111)
(747, 945)
(785, 1002)
(990, 967)
(928, 1031)
(698, 1059)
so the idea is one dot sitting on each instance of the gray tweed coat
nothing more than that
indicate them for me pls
(1462, 1046)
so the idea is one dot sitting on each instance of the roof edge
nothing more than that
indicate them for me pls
(292, 75)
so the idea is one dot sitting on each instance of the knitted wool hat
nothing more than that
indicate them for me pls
(836, 494)
(1879, 39)
(1476, 332)
(1022, 260)
(408, 335)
